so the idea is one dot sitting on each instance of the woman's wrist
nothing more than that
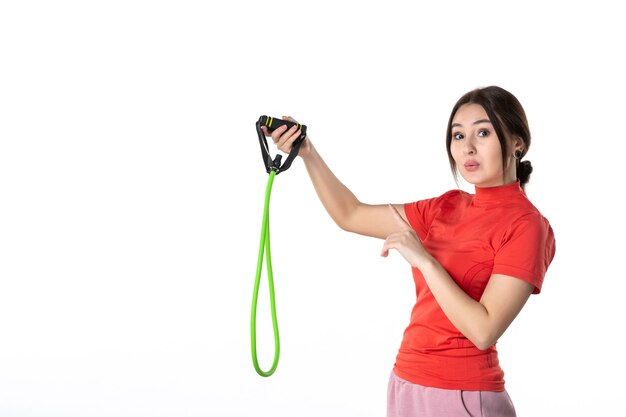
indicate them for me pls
(426, 263)
(308, 149)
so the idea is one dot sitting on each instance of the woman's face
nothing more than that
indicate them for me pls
(476, 149)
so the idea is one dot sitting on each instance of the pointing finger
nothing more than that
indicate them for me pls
(399, 217)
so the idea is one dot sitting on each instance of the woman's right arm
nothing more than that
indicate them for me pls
(340, 203)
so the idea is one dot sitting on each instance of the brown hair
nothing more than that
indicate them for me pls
(507, 116)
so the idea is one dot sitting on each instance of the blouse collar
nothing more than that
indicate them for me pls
(498, 193)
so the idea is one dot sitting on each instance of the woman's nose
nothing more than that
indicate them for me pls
(468, 147)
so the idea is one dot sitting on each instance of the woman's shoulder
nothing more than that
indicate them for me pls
(525, 217)
(456, 197)
(527, 209)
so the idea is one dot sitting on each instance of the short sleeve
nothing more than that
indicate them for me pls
(527, 250)
(419, 215)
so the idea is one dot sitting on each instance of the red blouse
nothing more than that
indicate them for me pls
(495, 231)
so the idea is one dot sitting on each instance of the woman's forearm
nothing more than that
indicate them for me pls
(469, 316)
(337, 199)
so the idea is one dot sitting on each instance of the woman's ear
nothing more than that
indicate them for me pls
(518, 144)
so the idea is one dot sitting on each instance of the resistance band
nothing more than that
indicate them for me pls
(273, 168)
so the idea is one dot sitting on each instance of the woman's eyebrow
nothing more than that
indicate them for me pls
(475, 123)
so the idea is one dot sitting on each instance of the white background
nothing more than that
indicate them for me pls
(131, 191)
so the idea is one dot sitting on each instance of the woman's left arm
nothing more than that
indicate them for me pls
(482, 322)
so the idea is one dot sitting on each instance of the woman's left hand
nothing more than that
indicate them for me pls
(405, 241)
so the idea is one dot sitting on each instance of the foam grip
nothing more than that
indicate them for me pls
(273, 123)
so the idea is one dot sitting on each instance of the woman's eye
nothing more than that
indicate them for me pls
(483, 133)
(457, 136)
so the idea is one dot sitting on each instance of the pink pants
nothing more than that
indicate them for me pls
(405, 399)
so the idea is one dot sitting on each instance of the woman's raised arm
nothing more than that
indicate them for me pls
(340, 203)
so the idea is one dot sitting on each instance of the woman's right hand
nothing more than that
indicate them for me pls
(283, 138)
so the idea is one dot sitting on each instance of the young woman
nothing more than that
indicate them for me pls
(476, 258)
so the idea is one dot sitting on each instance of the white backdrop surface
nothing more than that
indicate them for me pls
(131, 190)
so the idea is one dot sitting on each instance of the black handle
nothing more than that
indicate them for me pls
(272, 123)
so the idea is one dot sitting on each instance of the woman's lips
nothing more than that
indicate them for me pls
(471, 166)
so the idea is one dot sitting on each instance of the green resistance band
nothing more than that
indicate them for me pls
(265, 247)
(273, 167)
